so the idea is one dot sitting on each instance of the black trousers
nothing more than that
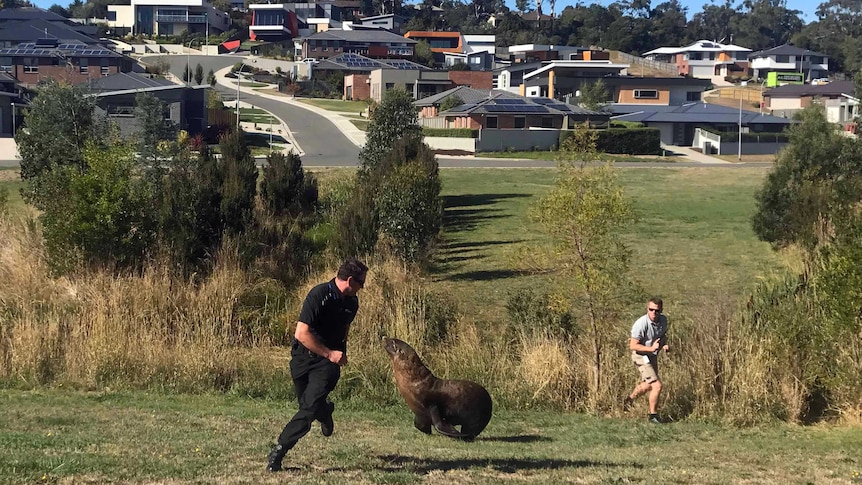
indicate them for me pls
(313, 378)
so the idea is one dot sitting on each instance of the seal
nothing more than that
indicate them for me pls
(442, 403)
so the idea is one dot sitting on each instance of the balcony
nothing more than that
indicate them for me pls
(184, 19)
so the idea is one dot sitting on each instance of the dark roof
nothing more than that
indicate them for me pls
(355, 62)
(32, 30)
(466, 94)
(73, 49)
(785, 50)
(832, 89)
(520, 66)
(126, 80)
(30, 13)
(519, 105)
(361, 36)
(691, 113)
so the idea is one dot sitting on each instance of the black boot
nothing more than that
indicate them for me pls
(275, 457)
(326, 424)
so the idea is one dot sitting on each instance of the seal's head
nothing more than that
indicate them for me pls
(401, 353)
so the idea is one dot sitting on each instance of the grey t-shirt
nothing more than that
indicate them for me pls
(646, 331)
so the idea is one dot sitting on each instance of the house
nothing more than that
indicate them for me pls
(678, 123)
(552, 79)
(167, 17)
(839, 98)
(498, 111)
(529, 53)
(429, 107)
(476, 61)
(666, 91)
(789, 59)
(186, 106)
(73, 62)
(272, 22)
(377, 44)
(706, 60)
(367, 78)
(440, 42)
(391, 22)
(12, 99)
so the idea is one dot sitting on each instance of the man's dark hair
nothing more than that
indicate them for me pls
(656, 301)
(352, 267)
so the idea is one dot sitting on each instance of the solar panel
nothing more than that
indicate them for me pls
(510, 101)
(543, 100)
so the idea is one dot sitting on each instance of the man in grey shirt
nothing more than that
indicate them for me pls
(647, 338)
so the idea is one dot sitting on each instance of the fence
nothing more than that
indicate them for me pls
(751, 95)
(433, 122)
(660, 66)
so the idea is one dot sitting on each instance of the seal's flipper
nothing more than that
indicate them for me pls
(422, 423)
(443, 427)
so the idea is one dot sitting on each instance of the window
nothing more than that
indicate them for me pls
(491, 122)
(105, 65)
(389, 86)
(31, 65)
(547, 122)
(783, 59)
(817, 60)
(741, 56)
(5, 64)
(646, 94)
(520, 121)
(695, 56)
(692, 96)
(83, 65)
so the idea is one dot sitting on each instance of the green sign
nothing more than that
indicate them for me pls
(774, 78)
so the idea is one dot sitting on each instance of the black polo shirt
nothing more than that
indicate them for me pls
(328, 313)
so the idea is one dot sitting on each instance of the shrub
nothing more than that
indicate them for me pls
(626, 141)
(285, 187)
(450, 132)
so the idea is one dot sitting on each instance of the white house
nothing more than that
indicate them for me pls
(788, 58)
(705, 59)
(167, 17)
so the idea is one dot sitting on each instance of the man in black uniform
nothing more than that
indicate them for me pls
(318, 352)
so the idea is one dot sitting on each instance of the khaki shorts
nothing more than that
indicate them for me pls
(648, 370)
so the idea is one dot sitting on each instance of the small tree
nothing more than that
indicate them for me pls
(285, 187)
(239, 185)
(187, 74)
(816, 177)
(594, 95)
(60, 122)
(422, 54)
(394, 118)
(153, 128)
(211, 79)
(199, 74)
(99, 217)
(584, 214)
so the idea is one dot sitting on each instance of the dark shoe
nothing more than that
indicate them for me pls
(653, 418)
(627, 403)
(326, 424)
(274, 459)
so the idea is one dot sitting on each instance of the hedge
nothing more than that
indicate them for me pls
(450, 132)
(625, 141)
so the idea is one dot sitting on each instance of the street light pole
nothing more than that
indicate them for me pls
(189, 63)
(739, 147)
(207, 23)
(238, 78)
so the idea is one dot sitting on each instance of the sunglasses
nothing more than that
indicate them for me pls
(657, 310)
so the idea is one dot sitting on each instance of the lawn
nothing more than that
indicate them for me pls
(65, 436)
(552, 155)
(694, 240)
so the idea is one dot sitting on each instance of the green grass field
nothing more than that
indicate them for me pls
(693, 242)
(61, 436)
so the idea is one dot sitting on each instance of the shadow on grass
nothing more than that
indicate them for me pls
(458, 220)
(395, 463)
(525, 438)
(469, 200)
(475, 245)
(487, 275)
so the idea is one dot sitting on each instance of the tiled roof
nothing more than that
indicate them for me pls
(466, 94)
(361, 36)
(519, 105)
(833, 89)
(691, 113)
(785, 50)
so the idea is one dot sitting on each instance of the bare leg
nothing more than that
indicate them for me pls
(653, 396)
